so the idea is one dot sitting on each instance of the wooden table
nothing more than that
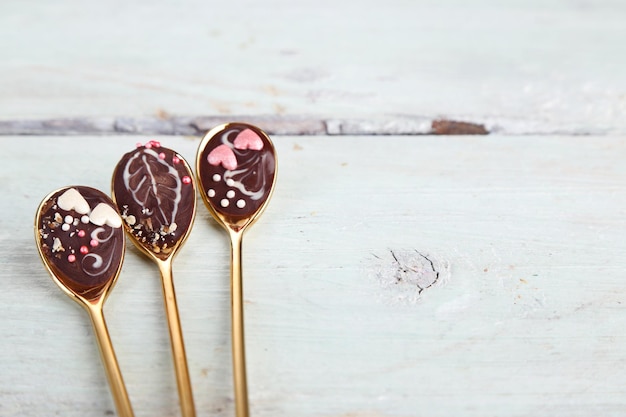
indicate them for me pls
(395, 273)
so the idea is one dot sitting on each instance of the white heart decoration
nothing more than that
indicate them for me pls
(105, 214)
(72, 200)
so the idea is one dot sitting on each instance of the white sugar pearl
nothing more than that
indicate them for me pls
(211, 192)
(217, 177)
(224, 202)
(230, 182)
(230, 194)
(69, 219)
(241, 203)
(65, 227)
(85, 219)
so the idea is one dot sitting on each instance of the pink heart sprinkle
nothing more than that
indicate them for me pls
(247, 139)
(223, 155)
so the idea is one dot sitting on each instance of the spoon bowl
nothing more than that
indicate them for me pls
(81, 243)
(236, 168)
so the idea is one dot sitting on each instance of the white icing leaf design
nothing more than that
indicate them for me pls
(155, 185)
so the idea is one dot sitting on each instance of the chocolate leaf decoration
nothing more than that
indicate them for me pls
(155, 185)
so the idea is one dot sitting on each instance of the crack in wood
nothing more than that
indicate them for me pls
(163, 124)
(408, 273)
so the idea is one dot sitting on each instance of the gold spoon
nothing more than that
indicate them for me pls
(81, 242)
(154, 191)
(236, 168)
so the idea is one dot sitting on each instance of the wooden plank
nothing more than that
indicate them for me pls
(274, 125)
(525, 317)
(523, 67)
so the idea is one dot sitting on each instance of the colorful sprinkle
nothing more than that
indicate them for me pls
(161, 155)
(148, 145)
(81, 233)
(138, 145)
(175, 159)
(186, 180)
(93, 243)
(155, 143)
(84, 250)
(71, 258)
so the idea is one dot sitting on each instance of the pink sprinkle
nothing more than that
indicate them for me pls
(81, 233)
(148, 145)
(155, 143)
(138, 145)
(161, 155)
(84, 250)
(71, 258)
(186, 179)
(175, 159)
(93, 243)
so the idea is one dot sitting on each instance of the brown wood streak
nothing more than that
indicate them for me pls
(273, 125)
(453, 127)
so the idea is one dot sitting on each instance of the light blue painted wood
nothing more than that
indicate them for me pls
(526, 66)
(526, 320)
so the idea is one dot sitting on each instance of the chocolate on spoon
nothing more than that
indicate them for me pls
(81, 242)
(154, 191)
(236, 167)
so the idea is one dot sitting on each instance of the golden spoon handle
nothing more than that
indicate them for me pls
(176, 337)
(239, 350)
(116, 382)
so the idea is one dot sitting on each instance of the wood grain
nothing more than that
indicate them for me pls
(527, 233)
(530, 67)
(273, 125)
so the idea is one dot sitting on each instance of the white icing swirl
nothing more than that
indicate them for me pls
(244, 169)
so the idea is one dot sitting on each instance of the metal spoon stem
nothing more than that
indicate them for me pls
(176, 337)
(239, 351)
(111, 367)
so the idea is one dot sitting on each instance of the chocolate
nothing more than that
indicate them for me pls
(81, 239)
(236, 170)
(154, 192)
